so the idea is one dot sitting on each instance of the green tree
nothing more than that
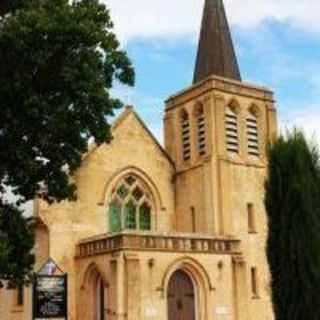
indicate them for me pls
(293, 209)
(9, 5)
(59, 60)
(16, 243)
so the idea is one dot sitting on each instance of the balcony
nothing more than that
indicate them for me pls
(185, 243)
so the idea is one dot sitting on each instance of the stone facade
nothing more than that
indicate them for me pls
(168, 233)
(200, 219)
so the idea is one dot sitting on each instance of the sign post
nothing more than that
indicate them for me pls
(50, 293)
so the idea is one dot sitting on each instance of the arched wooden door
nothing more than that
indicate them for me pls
(181, 297)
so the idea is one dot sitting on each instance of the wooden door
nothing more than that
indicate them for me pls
(100, 312)
(181, 298)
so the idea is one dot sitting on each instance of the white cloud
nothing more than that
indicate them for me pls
(180, 19)
(136, 19)
(308, 120)
(26, 208)
(305, 116)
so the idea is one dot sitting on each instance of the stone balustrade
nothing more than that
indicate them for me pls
(157, 242)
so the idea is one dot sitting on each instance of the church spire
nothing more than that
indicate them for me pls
(216, 55)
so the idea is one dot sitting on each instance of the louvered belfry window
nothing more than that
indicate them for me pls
(232, 134)
(185, 129)
(201, 123)
(252, 135)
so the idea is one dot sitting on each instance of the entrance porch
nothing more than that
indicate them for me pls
(140, 276)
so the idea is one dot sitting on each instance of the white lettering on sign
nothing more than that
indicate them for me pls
(222, 310)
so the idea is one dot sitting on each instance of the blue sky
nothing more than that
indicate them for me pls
(277, 43)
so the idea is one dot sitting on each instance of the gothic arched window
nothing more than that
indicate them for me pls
(232, 134)
(130, 205)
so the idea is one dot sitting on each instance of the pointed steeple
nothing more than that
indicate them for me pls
(216, 54)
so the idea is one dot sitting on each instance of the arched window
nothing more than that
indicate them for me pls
(201, 130)
(231, 124)
(252, 133)
(130, 206)
(185, 129)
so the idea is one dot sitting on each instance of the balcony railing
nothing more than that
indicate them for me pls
(157, 242)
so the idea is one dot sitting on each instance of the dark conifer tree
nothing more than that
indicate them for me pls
(293, 209)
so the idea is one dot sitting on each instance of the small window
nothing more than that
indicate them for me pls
(252, 134)
(20, 295)
(193, 220)
(201, 128)
(232, 134)
(185, 129)
(254, 282)
(251, 218)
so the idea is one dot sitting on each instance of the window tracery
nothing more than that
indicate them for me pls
(130, 206)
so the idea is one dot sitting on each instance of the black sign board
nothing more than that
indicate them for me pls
(50, 297)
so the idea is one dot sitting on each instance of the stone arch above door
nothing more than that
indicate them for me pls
(92, 270)
(200, 278)
(192, 267)
(93, 281)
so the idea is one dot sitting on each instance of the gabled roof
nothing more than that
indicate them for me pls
(130, 111)
(216, 54)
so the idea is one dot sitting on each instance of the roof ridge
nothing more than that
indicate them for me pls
(130, 110)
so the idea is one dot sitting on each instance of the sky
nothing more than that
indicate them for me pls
(277, 44)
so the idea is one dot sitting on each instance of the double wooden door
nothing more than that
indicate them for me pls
(181, 297)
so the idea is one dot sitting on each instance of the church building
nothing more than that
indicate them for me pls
(173, 232)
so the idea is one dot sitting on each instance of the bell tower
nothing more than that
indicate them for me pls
(216, 132)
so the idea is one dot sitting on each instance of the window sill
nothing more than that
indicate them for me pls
(253, 232)
(256, 297)
(255, 161)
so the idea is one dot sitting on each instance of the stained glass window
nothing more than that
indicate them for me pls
(130, 215)
(130, 180)
(130, 205)
(123, 192)
(115, 216)
(145, 217)
(137, 193)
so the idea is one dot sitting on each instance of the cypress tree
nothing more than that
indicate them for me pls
(293, 209)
